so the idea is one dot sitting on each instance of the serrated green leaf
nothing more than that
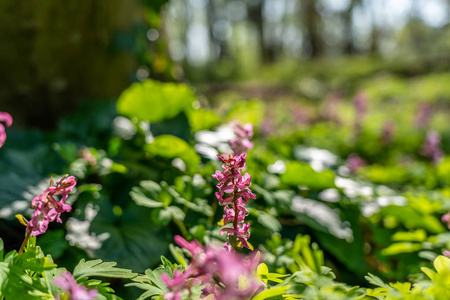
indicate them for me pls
(143, 200)
(375, 280)
(178, 255)
(167, 263)
(99, 268)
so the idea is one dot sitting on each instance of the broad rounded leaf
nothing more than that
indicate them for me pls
(155, 101)
(298, 173)
(170, 146)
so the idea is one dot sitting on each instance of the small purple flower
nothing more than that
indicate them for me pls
(360, 106)
(355, 162)
(76, 292)
(332, 108)
(423, 115)
(48, 208)
(388, 132)
(431, 147)
(7, 119)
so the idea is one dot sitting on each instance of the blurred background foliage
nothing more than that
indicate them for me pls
(58, 54)
(349, 99)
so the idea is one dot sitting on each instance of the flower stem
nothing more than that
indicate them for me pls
(24, 243)
(181, 226)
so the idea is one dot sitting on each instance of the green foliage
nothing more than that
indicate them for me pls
(315, 218)
(154, 101)
(171, 147)
(298, 173)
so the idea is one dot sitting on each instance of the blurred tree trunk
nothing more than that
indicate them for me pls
(212, 9)
(312, 32)
(255, 14)
(347, 16)
(447, 4)
(375, 33)
(60, 52)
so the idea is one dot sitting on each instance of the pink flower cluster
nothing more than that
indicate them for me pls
(76, 292)
(7, 119)
(48, 208)
(218, 271)
(243, 135)
(233, 194)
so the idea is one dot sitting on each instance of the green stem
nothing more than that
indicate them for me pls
(214, 209)
(182, 227)
(24, 243)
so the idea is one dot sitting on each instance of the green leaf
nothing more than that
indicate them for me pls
(298, 173)
(2, 249)
(269, 221)
(34, 260)
(169, 146)
(418, 235)
(201, 119)
(141, 199)
(252, 111)
(99, 268)
(132, 239)
(273, 292)
(155, 101)
(375, 280)
(430, 273)
(442, 264)
(402, 247)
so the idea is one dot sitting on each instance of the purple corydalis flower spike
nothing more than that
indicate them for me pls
(234, 193)
(8, 120)
(48, 208)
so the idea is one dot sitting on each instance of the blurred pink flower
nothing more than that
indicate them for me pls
(446, 219)
(76, 292)
(355, 162)
(243, 135)
(360, 103)
(217, 270)
(387, 132)
(431, 147)
(7, 119)
(423, 115)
